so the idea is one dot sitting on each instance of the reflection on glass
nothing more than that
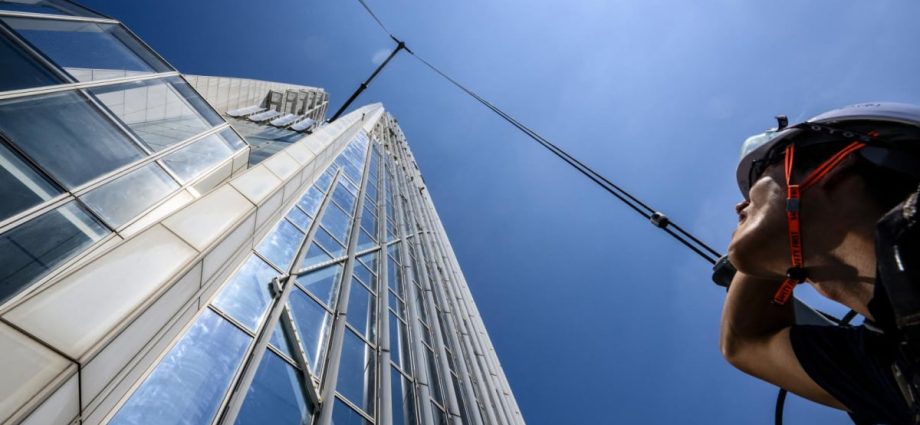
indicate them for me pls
(32, 249)
(247, 295)
(54, 7)
(296, 216)
(365, 275)
(232, 139)
(324, 180)
(314, 256)
(279, 340)
(337, 222)
(343, 198)
(322, 282)
(198, 157)
(344, 415)
(434, 380)
(281, 245)
(189, 383)
(313, 326)
(361, 310)
(122, 199)
(310, 201)
(396, 304)
(328, 243)
(364, 242)
(369, 223)
(22, 186)
(276, 395)
(395, 276)
(18, 70)
(56, 130)
(403, 399)
(88, 51)
(356, 372)
(399, 343)
(154, 110)
(369, 260)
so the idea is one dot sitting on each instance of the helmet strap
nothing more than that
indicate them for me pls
(797, 274)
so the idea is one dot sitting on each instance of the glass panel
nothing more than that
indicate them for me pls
(18, 70)
(337, 222)
(395, 276)
(369, 223)
(276, 395)
(88, 51)
(30, 250)
(364, 242)
(314, 256)
(365, 275)
(296, 216)
(403, 399)
(192, 160)
(369, 260)
(232, 139)
(328, 243)
(322, 283)
(279, 340)
(311, 200)
(361, 310)
(356, 373)
(247, 295)
(396, 304)
(154, 110)
(55, 7)
(344, 415)
(189, 384)
(343, 198)
(281, 245)
(57, 129)
(313, 326)
(21, 187)
(324, 180)
(122, 199)
(399, 343)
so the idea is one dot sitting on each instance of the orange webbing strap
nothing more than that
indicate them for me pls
(796, 274)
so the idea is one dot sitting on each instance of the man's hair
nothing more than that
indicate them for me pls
(885, 187)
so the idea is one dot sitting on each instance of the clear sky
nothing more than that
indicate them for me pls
(597, 316)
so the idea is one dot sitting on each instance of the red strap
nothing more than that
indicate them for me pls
(796, 273)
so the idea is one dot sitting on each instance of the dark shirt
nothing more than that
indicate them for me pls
(854, 363)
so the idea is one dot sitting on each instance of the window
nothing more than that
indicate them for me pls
(18, 70)
(193, 160)
(344, 415)
(58, 7)
(20, 185)
(88, 51)
(337, 222)
(247, 295)
(357, 372)
(342, 197)
(276, 395)
(280, 341)
(67, 136)
(156, 111)
(190, 382)
(361, 310)
(296, 216)
(313, 324)
(365, 275)
(328, 243)
(322, 283)
(403, 399)
(122, 199)
(399, 343)
(30, 250)
(314, 255)
(281, 245)
(311, 200)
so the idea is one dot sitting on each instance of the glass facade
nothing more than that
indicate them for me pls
(79, 165)
(345, 305)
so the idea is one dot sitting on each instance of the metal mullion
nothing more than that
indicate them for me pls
(354, 407)
(312, 296)
(35, 91)
(361, 336)
(51, 16)
(226, 316)
(420, 254)
(34, 52)
(333, 360)
(24, 216)
(417, 355)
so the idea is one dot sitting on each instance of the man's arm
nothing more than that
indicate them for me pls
(755, 338)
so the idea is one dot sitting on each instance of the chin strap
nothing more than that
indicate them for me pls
(796, 274)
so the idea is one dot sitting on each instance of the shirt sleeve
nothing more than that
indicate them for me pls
(853, 365)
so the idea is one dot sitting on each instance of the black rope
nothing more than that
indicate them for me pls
(374, 15)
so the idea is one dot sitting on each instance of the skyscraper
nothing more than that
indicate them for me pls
(172, 254)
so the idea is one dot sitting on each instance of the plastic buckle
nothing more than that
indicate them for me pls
(723, 272)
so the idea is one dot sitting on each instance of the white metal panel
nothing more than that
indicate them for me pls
(241, 238)
(60, 408)
(166, 208)
(282, 165)
(300, 153)
(206, 220)
(256, 183)
(268, 208)
(77, 312)
(27, 368)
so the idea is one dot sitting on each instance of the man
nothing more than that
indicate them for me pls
(822, 198)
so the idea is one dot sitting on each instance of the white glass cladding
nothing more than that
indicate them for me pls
(80, 162)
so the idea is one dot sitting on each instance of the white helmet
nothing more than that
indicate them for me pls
(890, 130)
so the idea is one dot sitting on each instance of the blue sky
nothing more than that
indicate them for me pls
(597, 317)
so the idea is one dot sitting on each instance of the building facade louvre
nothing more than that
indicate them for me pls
(207, 250)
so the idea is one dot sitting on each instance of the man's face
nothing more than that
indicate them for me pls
(759, 245)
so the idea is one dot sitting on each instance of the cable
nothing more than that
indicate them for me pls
(374, 15)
